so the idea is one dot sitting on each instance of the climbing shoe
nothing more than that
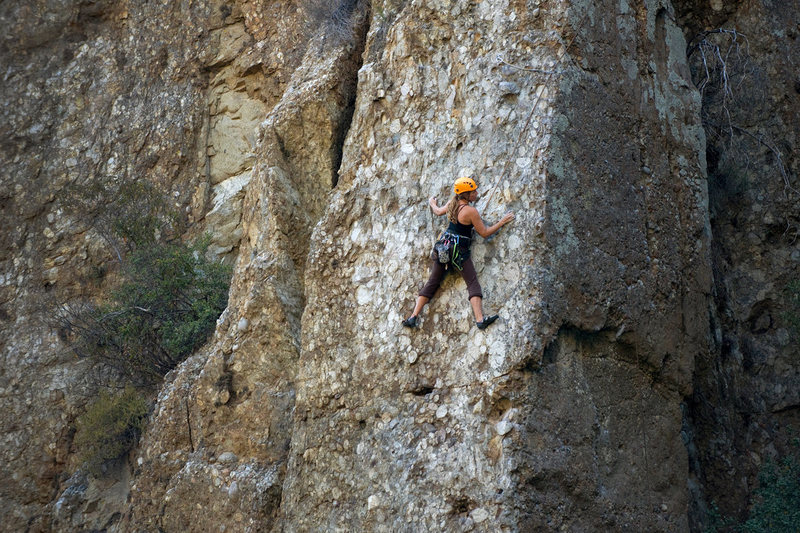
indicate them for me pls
(410, 322)
(483, 324)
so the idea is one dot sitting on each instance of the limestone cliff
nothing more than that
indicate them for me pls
(640, 368)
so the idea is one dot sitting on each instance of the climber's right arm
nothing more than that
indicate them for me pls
(438, 211)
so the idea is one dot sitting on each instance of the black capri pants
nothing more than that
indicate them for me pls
(438, 272)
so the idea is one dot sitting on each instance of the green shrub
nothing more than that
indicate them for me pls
(169, 296)
(776, 501)
(164, 309)
(716, 522)
(110, 427)
(126, 214)
(777, 507)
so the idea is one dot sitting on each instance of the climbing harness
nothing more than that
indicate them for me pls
(447, 249)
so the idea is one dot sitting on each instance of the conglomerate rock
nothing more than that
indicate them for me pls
(237, 402)
(306, 137)
(98, 91)
(567, 412)
(78, 105)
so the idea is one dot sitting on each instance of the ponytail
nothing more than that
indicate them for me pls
(452, 209)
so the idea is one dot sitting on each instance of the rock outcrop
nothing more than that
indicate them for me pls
(82, 100)
(165, 92)
(641, 368)
(237, 398)
(566, 414)
(744, 409)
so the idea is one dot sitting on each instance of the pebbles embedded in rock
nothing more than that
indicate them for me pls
(373, 501)
(479, 515)
(503, 427)
(508, 87)
(228, 457)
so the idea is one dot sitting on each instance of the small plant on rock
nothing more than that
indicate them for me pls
(110, 428)
(776, 501)
(777, 507)
(165, 308)
(167, 299)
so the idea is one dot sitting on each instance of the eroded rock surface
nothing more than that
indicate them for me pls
(306, 138)
(518, 427)
(96, 91)
(237, 397)
(744, 410)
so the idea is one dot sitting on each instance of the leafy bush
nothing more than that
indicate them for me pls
(777, 507)
(110, 427)
(716, 522)
(126, 215)
(169, 296)
(164, 309)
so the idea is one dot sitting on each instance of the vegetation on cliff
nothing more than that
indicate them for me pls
(163, 304)
(777, 498)
(110, 427)
(164, 309)
(168, 297)
(776, 501)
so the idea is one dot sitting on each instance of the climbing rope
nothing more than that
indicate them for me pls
(500, 59)
(533, 110)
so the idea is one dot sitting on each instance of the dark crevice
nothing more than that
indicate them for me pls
(550, 353)
(421, 391)
(725, 401)
(461, 505)
(341, 137)
(592, 342)
(786, 409)
(360, 42)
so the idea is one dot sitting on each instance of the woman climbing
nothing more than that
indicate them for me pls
(463, 218)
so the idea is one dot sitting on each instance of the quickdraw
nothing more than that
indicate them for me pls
(448, 249)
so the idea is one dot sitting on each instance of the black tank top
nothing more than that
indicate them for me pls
(465, 230)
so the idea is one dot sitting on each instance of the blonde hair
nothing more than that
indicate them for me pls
(452, 209)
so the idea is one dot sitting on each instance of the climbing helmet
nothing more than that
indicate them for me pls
(464, 184)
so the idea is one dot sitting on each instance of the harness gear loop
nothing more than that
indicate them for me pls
(448, 249)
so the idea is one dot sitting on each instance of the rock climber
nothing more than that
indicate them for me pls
(463, 219)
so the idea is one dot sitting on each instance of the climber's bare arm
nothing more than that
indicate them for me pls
(438, 211)
(472, 215)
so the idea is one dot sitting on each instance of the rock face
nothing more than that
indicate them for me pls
(167, 92)
(79, 104)
(744, 409)
(307, 138)
(525, 425)
(237, 398)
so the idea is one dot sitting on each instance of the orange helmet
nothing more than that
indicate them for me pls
(464, 185)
